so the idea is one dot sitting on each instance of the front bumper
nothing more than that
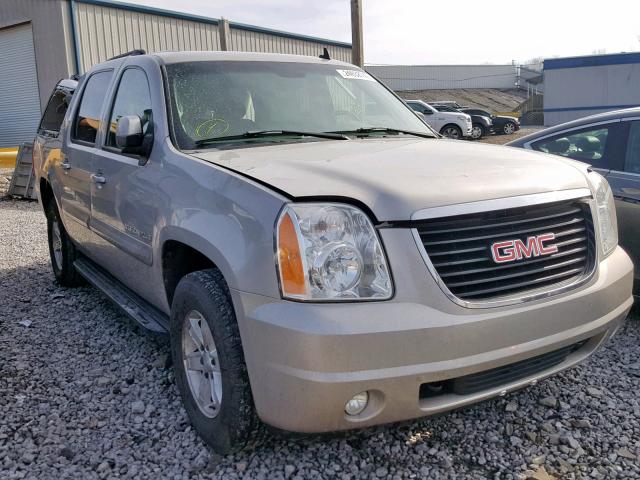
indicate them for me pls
(305, 361)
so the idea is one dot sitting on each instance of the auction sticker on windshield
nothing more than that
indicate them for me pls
(355, 75)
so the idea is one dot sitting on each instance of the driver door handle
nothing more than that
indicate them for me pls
(99, 179)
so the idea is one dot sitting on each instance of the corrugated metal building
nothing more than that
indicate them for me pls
(42, 41)
(576, 87)
(434, 77)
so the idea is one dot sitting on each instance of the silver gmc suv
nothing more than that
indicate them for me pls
(319, 259)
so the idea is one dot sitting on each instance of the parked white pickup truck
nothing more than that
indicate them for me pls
(450, 124)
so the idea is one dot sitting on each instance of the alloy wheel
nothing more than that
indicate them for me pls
(56, 240)
(201, 364)
(451, 132)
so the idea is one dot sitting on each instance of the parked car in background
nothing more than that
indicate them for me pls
(481, 124)
(610, 143)
(501, 124)
(455, 125)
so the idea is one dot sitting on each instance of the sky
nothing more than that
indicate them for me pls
(422, 32)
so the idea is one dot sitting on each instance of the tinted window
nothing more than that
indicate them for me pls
(445, 108)
(88, 119)
(133, 98)
(632, 159)
(55, 111)
(416, 106)
(587, 145)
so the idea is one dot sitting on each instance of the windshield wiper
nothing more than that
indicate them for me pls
(384, 130)
(272, 133)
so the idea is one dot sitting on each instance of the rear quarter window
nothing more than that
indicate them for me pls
(55, 111)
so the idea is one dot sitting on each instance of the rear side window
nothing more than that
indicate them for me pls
(55, 112)
(632, 159)
(588, 145)
(87, 122)
(133, 98)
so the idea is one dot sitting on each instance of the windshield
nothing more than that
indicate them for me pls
(215, 100)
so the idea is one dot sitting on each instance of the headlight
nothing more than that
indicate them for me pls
(330, 252)
(606, 212)
(464, 118)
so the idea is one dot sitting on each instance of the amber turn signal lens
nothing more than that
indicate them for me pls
(290, 260)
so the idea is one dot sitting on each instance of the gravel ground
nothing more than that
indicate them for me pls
(86, 394)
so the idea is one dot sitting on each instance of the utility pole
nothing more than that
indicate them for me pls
(225, 34)
(357, 50)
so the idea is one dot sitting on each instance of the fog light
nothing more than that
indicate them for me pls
(357, 404)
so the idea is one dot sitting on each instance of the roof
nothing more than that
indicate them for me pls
(199, 56)
(591, 61)
(203, 19)
(600, 117)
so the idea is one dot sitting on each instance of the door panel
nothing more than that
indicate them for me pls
(626, 190)
(123, 191)
(120, 211)
(76, 157)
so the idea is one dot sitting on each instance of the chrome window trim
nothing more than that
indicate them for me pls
(497, 204)
(622, 172)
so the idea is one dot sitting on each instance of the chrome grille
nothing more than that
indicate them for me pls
(459, 249)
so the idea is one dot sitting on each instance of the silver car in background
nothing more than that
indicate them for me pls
(610, 144)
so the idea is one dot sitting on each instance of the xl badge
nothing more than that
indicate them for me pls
(512, 250)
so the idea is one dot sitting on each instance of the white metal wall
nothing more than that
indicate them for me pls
(104, 32)
(434, 77)
(19, 95)
(252, 41)
(572, 93)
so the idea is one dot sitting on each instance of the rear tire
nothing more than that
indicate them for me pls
(61, 249)
(209, 365)
(451, 131)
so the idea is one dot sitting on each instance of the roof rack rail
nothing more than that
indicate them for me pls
(138, 51)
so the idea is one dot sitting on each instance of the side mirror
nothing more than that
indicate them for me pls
(427, 112)
(129, 134)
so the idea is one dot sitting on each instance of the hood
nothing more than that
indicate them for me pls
(454, 114)
(396, 177)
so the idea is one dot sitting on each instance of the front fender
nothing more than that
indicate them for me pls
(240, 245)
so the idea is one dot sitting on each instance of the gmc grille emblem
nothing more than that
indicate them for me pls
(512, 250)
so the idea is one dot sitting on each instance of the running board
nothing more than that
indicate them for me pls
(130, 302)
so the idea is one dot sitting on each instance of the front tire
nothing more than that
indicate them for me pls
(509, 128)
(451, 131)
(209, 365)
(61, 249)
(477, 131)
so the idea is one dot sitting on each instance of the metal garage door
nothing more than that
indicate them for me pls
(19, 98)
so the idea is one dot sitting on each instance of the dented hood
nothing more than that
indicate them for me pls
(396, 177)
